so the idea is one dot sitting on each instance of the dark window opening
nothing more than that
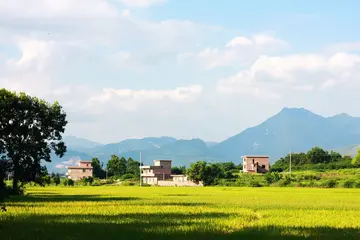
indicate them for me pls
(263, 166)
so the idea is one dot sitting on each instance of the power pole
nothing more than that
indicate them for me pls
(140, 171)
(290, 162)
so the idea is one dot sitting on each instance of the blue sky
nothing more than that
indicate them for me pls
(181, 68)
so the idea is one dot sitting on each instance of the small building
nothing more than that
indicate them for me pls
(160, 174)
(256, 164)
(83, 170)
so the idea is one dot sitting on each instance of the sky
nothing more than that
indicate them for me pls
(182, 68)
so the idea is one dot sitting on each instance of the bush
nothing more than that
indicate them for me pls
(272, 177)
(68, 182)
(349, 183)
(128, 176)
(331, 183)
(357, 184)
(127, 183)
(110, 181)
(96, 182)
(285, 181)
(255, 183)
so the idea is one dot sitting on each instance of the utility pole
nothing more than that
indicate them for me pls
(290, 162)
(140, 171)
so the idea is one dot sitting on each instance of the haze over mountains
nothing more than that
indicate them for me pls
(292, 129)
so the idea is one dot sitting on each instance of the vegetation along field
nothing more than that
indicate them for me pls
(113, 212)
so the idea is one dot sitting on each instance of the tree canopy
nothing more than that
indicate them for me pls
(356, 159)
(30, 130)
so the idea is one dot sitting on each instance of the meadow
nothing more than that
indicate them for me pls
(117, 212)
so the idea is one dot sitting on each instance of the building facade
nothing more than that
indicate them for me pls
(256, 164)
(160, 174)
(83, 170)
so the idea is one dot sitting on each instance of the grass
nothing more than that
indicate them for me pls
(112, 212)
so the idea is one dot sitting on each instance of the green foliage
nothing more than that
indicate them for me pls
(56, 179)
(331, 183)
(98, 172)
(30, 129)
(272, 177)
(178, 170)
(128, 183)
(87, 181)
(128, 176)
(356, 159)
(68, 182)
(96, 182)
(209, 174)
(350, 183)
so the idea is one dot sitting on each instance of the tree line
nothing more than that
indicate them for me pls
(316, 159)
(118, 167)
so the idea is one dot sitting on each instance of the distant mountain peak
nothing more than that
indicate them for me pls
(341, 115)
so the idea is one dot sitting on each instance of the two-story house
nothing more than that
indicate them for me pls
(83, 170)
(256, 164)
(161, 170)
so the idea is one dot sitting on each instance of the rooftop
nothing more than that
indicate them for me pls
(85, 161)
(254, 156)
(78, 167)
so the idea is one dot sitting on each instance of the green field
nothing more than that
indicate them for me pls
(112, 212)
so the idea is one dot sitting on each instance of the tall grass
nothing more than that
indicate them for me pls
(112, 212)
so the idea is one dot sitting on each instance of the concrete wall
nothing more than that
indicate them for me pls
(77, 173)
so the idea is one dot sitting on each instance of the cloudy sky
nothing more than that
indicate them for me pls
(181, 68)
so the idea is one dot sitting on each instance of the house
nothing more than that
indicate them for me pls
(160, 174)
(256, 164)
(83, 170)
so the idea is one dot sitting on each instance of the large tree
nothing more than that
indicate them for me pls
(97, 168)
(30, 129)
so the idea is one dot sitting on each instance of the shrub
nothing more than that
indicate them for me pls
(285, 181)
(357, 184)
(331, 183)
(255, 183)
(128, 183)
(349, 183)
(96, 182)
(128, 176)
(110, 181)
(69, 182)
(272, 177)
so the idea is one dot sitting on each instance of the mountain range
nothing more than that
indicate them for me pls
(292, 129)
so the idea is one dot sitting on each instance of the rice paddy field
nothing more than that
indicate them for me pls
(113, 212)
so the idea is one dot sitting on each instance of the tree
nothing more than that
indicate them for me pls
(335, 156)
(133, 167)
(208, 173)
(30, 129)
(56, 179)
(356, 159)
(318, 155)
(97, 168)
(113, 166)
(197, 171)
(123, 166)
(178, 170)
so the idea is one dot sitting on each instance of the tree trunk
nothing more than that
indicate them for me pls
(15, 185)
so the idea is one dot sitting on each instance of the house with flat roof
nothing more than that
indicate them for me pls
(83, 170)
(256, 164)
(160, 174)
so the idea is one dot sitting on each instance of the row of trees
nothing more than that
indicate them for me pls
(316, 158)
(116, 167)
(212, 173)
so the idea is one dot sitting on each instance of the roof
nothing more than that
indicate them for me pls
(85, 161)
(79, 167)
(163, 160)
(179, 175)
(255, 156)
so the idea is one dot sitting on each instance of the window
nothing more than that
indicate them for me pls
(84, 170)
(263, 166)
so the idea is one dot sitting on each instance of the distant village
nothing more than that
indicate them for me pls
(160, 174)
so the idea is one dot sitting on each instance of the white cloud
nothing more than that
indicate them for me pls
(141, 3)
(238, 51)
(129, 99)
(44, 9)
(301, 72)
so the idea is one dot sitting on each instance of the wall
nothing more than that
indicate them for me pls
(77, 173)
